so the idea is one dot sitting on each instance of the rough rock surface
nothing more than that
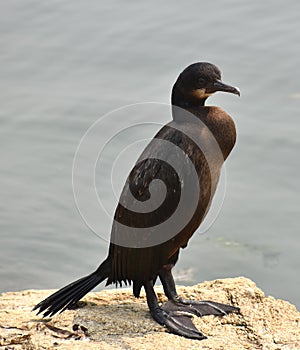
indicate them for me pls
(114, 319)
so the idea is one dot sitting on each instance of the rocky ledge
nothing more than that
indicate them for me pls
(114, 319)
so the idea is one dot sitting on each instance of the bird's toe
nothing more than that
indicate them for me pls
(208, 307)
(180, 323)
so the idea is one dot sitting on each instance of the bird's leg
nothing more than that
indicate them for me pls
(176, 321)
(198, 308)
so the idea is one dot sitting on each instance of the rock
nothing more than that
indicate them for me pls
(114, 319)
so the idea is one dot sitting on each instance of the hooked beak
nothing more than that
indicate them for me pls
(220, 86)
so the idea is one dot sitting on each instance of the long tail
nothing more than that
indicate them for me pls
(68, 296)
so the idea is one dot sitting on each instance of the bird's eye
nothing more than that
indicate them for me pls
(201, 81)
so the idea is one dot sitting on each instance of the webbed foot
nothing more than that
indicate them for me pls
(200, 308)
(179, 310)
(177, 315)
(178, 322)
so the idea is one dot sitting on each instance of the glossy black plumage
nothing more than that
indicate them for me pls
(142, 266)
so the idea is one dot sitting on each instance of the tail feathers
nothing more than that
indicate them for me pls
(68, 296)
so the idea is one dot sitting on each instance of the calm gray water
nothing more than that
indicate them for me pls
(66, 63)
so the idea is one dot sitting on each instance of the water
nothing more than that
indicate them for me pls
(66, 63)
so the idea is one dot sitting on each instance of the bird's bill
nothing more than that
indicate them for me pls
(220, 86)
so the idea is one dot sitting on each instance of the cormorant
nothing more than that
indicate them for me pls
(202, 138)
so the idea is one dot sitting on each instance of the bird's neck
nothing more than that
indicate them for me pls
(178, 99)
(218, 121)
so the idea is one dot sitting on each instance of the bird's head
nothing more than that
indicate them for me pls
(196, 83)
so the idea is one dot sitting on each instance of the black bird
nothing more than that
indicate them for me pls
(142, 249)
